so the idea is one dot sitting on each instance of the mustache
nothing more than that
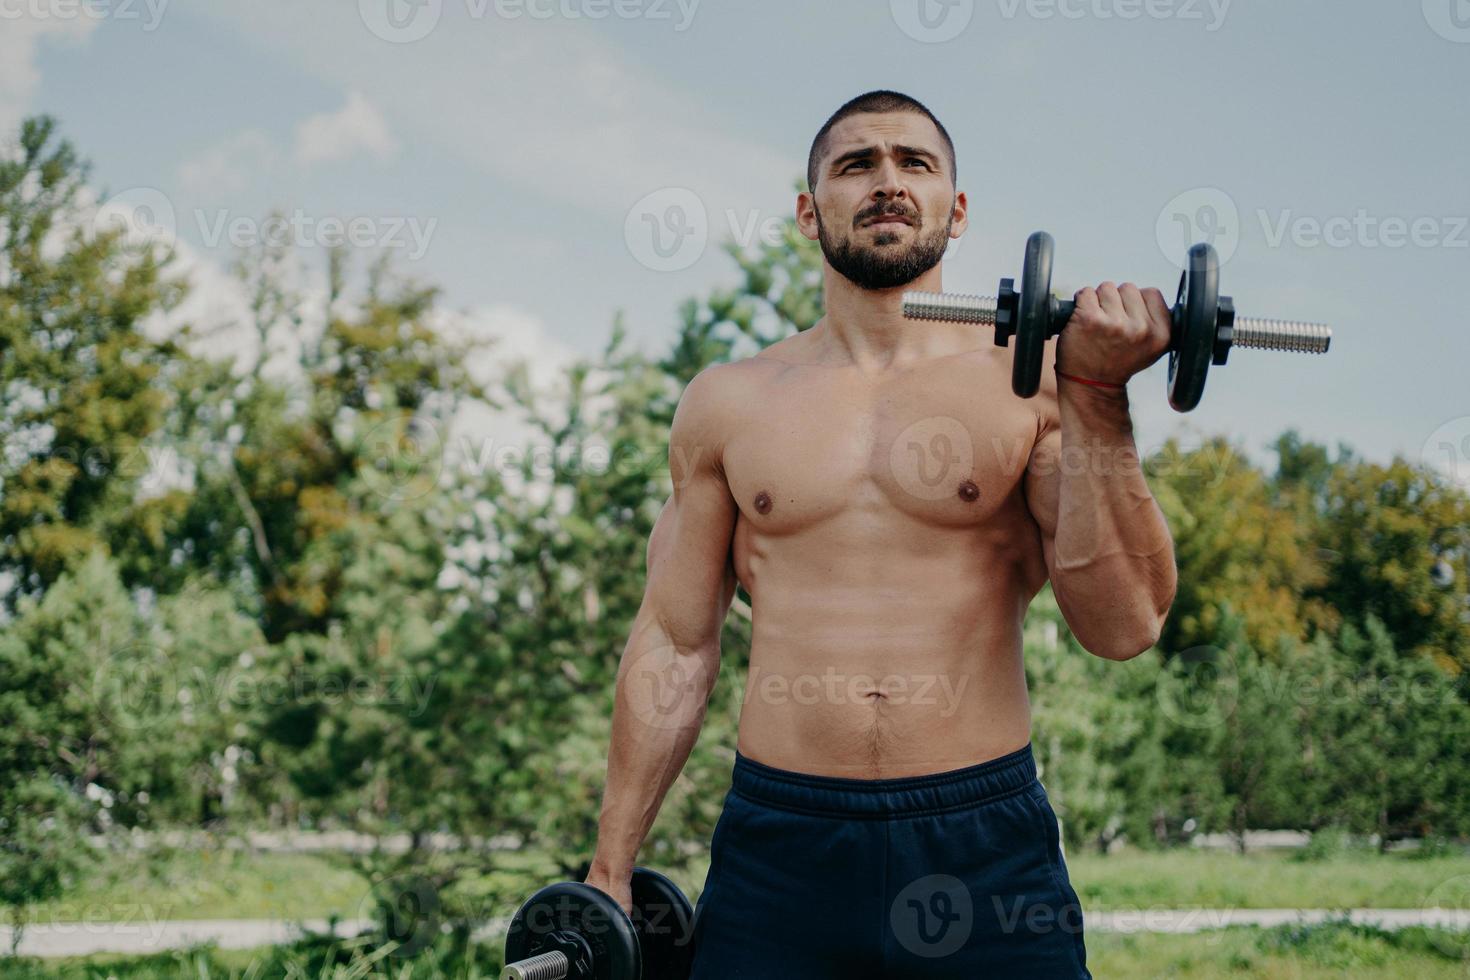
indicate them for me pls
(885, 209)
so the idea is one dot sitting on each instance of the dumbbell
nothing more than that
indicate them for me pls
(1205, 326)
(572, 930)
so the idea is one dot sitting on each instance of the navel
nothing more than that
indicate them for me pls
(969, 493)
(762, 503)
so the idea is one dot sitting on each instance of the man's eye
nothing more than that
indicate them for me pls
(919, 162)
(855, 163)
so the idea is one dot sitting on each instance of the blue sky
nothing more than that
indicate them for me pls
(520, 153)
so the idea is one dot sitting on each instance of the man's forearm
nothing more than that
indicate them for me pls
(1114, 571)
(662, 694)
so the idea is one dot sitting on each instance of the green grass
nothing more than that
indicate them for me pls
(213, 884)
(1267, 879)
(237, 884)
(1333, 949)
(227, 884)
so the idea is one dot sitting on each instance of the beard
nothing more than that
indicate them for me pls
(885, 264)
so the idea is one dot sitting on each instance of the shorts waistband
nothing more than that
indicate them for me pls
(877, 798)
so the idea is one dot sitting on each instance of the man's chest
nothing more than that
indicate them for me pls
(946, 444)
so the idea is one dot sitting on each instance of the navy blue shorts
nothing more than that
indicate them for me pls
(954, 874)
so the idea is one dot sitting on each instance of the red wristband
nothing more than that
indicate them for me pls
(1088, 381)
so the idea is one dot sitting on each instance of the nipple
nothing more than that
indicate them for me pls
(762, 503)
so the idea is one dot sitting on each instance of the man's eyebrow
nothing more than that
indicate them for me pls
(867, 152)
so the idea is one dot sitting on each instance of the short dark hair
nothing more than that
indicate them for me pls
(879, 100)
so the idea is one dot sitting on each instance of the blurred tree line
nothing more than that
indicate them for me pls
(325, 617)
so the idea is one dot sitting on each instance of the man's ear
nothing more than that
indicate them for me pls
(961, 215)
(806, 215)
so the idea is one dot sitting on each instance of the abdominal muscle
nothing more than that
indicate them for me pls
(883, 664)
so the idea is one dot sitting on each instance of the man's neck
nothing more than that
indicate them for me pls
(867, 328)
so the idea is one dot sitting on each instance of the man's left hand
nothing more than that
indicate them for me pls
(1115, 332)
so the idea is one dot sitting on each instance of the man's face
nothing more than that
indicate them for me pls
(885, 202)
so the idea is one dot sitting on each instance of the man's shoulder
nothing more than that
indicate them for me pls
(737, 379)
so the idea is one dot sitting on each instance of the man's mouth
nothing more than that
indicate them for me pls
(887, 219)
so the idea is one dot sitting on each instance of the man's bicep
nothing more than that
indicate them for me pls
(690, 580)
(1042, 487)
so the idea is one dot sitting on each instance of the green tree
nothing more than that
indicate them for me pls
(82, 383)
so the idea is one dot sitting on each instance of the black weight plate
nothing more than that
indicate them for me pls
(1034, 314)
(1196, 313)
(569, 907)
(665, 923)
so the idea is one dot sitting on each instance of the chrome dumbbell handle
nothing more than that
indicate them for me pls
(1296, 336)
(547, 966)
(952, 307)
(1252, 333)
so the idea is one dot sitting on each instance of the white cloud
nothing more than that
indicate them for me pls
(230, 165)
(357, 127)
(20, 35)
(562, 113)
(480, 436)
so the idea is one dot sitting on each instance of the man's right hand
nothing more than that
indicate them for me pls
(619, 885)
